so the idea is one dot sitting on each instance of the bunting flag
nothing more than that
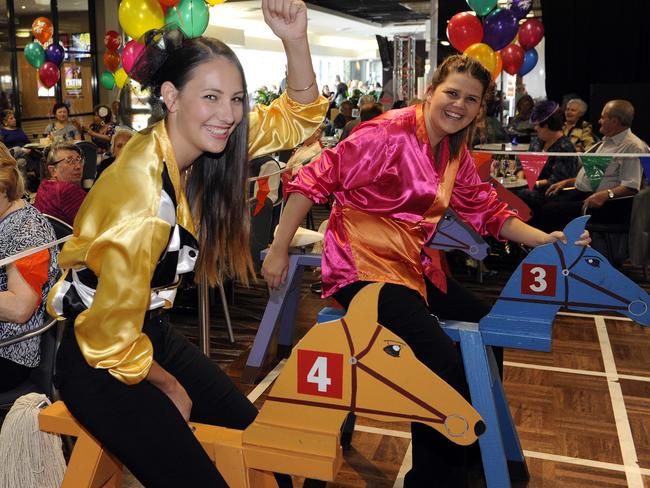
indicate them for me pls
(595, 167)
(262, 192)
(482, 160)
(513, 201)
(532, 166)
(645, 164)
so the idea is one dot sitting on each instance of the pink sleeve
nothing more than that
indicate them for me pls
(356, 162)
(476, 201)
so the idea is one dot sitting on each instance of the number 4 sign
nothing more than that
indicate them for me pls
(538, 279)
(320, 373)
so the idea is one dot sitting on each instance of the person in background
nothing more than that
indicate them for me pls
(341, 91)
(519, 126)
(102, 129)
(10, 134)
(60, 194)
(397, 104)
(488, 128)
(576, 127)
(121, 136)
(115, 111)
(364, 102)
(344, 116)
(62, 128)
(25, 283)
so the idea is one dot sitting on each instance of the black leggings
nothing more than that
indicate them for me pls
(139, 424)
(12, 374)
(436, 461)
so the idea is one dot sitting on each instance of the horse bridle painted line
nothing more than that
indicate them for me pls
(567, 273)
(355, 362)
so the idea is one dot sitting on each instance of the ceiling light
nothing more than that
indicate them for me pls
(444, 43)
(23, 7)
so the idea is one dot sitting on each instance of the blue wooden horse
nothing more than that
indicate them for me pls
(558, 275)
(454, 234)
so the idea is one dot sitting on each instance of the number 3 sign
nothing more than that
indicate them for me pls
(538, 279)
(320, 373)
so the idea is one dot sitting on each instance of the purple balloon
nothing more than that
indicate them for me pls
(499, 28)
(521, 7)
(55, 53)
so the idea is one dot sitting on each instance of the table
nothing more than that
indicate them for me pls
(497, 146)
(508, 183)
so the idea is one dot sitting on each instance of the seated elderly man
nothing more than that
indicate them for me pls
(121, 136)
(622, 176)
(61, 195)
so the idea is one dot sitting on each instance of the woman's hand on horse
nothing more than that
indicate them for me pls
(286, 18)
(584, 240)
(275, 267)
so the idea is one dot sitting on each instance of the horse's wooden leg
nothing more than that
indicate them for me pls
(347, 430)
(261, 479)
(91, 466)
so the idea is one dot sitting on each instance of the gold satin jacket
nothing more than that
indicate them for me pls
(128, 220)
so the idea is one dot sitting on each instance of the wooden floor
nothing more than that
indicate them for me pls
(582, 410)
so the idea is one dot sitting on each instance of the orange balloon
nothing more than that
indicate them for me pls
(112, 60)
(42, 29)
(483, 54)
(497, 70)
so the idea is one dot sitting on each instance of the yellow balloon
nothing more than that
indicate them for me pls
(120, 77)
(483, 54)
(139, 16)
(215, 2)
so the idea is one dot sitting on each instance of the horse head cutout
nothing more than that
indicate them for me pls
(454, 234)
(355, 365)
(556, 275)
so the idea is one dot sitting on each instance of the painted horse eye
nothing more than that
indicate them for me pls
(393, 350)
(595, 262)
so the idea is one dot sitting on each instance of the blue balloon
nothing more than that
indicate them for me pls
(499, 28)
(530, 60)
(55, 53)
(521, 7)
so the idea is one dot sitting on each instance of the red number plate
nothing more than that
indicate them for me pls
(538, 279)
(320, 373)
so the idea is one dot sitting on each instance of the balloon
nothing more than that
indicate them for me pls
(521, 7)
(482, 7)
(112, 60)
(112, 40)
(500, 28)
(497, 70)
(190, 16)
(530, 60)
(130, 54)
(55, 53)
(215, 2)
(513, 58)
(168, 3)
(463, 30)
(42, 29)
(483, 54)
(35, 54)
(120, 78)
(107, 80)
(139, 16)
(49, 74)
(530, 33)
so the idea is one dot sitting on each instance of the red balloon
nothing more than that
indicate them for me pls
(463, 30)
(49, 74)
(112, 40)
(112, 60)
(169, 3)
(530, 33)
(513, 58)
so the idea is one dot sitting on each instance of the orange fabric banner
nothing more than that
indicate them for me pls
(262, 192)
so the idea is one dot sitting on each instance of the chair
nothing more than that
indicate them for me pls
(639, 237)
(89, 152)
(61, 228)
(261, 230)
(609, 227)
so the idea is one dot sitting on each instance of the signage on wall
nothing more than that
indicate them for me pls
(73, 81)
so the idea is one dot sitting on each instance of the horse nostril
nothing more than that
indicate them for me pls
(479, 428)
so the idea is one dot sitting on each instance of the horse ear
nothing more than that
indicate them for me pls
(575, 228)
(364, 305)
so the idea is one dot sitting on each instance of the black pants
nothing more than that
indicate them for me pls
(139, 424)
(12, 374)
(436, 461)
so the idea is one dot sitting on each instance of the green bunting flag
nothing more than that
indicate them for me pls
(595, 167)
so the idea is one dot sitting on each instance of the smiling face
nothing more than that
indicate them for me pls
(61, 114)
(452, 106)
(609, 126)
(572, 113)
(206, 110)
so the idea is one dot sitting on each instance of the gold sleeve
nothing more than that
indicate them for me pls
(283, 125)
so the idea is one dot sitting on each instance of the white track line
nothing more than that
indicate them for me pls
(405, 467)
(375, 430)
(584, 372)
(266, 382)
(581, 462)
(591, 316)
(628, 450)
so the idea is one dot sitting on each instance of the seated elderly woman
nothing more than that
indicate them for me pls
(60, 194)
(102, 129)
(10, 133)
(576, 127)
(62, 129)
(24, 283)
(121, 136)
(546, 118)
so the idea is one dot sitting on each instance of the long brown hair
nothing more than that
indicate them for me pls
(216, 185)
(11, 181)
(462, 64)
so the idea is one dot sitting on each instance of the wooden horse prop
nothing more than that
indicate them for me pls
(557, 275)
(454, 234)
(352, 364)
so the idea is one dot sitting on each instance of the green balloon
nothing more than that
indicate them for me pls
(190, 16)
(35, 54)
(482, 7)
(107, 80)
